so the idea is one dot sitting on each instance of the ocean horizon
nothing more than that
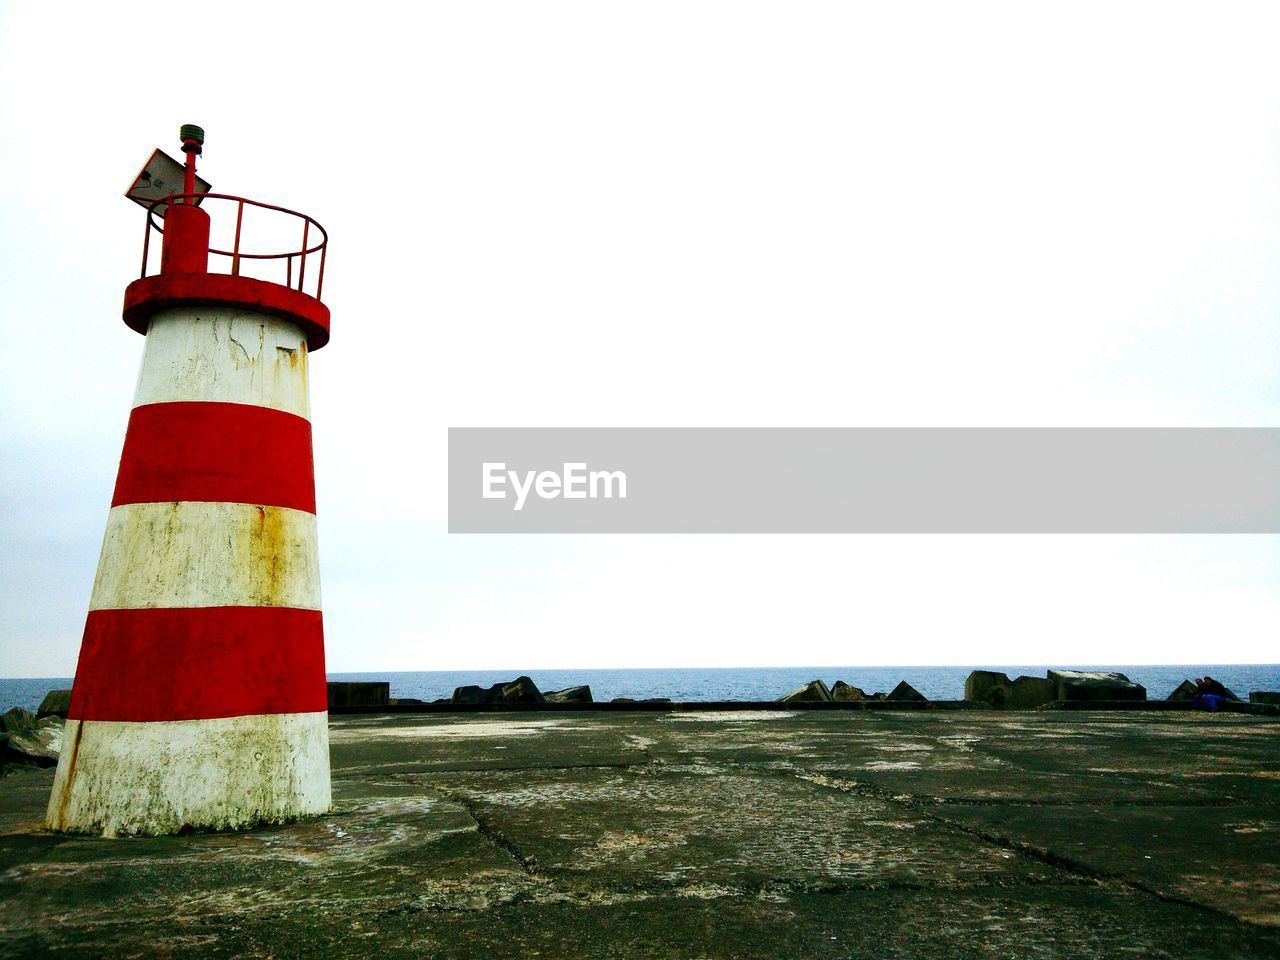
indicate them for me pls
(736, 683)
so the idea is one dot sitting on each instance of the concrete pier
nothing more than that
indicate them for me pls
(762, 834)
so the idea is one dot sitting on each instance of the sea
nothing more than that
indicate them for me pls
(738, 683)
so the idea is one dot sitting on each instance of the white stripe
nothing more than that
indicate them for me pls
(226, 355)
(193, 554)
(118, 777)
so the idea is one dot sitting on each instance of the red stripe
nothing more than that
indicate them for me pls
(194, 663)
(230, 452)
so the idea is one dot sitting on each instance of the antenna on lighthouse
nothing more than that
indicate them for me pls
(162, 175)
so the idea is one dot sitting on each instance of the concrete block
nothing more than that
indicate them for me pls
(1095, 685)
(988, 686)
(16, 720)
(38, 744)
(905, 691)
(997, 690)
(519, 690)
(359, 693)
(814, 690)
(1028, 693)
(844, 691)
(56, 703)
(569, 695)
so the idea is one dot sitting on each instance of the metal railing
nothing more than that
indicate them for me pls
(235, 254)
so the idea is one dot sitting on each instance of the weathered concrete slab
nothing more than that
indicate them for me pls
(415, 743)
(1030, 922)
(1226, 858)
(1094, 757)
(717, 835)
(383, 842)
(681, 827)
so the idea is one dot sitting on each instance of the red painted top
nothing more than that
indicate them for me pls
(185, 278)
(144, 298)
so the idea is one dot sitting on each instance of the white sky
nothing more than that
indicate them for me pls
(737, 214)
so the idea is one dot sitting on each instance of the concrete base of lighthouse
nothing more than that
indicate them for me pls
(119, 778)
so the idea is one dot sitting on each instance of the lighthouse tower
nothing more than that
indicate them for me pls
(199, 697)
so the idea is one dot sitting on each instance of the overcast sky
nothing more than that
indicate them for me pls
(665, 214)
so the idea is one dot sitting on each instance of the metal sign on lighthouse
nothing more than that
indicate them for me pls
(199, 697)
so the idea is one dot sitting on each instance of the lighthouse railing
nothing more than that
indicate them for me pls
(306, 248)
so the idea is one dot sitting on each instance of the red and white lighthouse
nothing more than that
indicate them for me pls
(199, 698)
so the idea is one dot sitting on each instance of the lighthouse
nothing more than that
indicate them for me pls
(199, 698)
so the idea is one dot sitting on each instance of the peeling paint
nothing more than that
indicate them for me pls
(220, 355)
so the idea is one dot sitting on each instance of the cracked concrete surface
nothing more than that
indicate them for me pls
(717, 835)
